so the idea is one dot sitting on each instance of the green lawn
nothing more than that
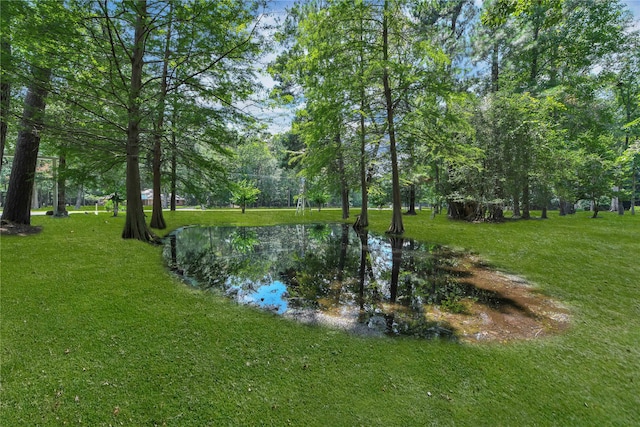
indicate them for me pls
(95, 331)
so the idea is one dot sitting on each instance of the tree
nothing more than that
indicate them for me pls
(318, 196)
(35, 50)
(243, 193)
(18, 201)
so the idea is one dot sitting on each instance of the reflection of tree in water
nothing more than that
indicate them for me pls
(244, 241)
(387, 284)
(316, 278)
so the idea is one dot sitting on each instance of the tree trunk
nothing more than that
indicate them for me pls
(633, 187)
(412, 200)
(526, 201)
(5, 94)
(79, 197)
(516, 205)
(35, 196)
(396, 227)
(135, 226)
(23, 171)
(344, 187)
(174, 163)
(495, 56)
(544, 212)
(363, 218)
(61, 209)
(157, 219)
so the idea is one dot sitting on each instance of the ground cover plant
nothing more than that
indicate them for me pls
(95, 331)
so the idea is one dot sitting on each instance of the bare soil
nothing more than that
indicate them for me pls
(529, 313)
(11, 229)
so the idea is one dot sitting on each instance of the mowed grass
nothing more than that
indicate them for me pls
(95, 331)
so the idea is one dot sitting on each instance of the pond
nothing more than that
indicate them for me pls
(362, 282)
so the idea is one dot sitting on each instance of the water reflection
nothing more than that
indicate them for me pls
(364, 282)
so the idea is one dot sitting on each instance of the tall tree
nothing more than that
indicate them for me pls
(396, 227)
(36, 43)
(135, 226)
(157, 219)
(18, 200)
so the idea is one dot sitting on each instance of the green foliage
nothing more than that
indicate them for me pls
(244, 193)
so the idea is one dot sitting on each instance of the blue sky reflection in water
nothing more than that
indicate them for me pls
(327, 273)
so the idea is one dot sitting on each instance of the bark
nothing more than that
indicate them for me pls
(363, 219)
(79, 197)
(633, 188)
(35, 197)
(526, 201)
(563, 207)
(495, 56)
(344, 187)
(463, 210)
(61, 209)
(412, 200)
(396, 227)
(5, 96)
(23, 171)
(174, 165)
(157, 219)
(496, 214)
(135, 226)
(516, 205)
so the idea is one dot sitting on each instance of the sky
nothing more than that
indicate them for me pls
(279, 118)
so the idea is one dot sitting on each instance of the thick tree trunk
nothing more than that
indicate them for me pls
(563, 207)
(5, 94)
(516, 205)
(135, 226)
(396, 227)
(157, 219)
(23, 171)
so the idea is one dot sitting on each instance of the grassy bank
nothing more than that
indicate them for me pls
(94, 331)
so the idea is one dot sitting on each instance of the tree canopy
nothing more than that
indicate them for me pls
(513, 105)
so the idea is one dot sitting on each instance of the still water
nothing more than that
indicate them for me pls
(327, 273)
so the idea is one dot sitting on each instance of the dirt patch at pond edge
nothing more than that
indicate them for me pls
(528, 315)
